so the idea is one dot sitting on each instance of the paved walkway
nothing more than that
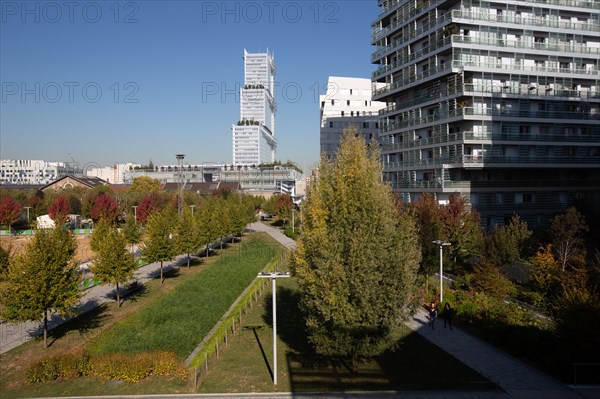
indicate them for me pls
(516, 378)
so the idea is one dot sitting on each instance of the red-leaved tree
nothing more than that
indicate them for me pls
(148, 204)
(10, 211)
(59, 209)
(105, 208)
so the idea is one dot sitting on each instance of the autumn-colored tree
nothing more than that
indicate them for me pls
(158, 244)
(489, 280)
(545, 275)
(113, 263)
(568, 240)
(59, 210)
(461, 228)
(145, 184)
(42, 279)
(357, 256)
(105, 208)
(10, 211)
(149, 204)
(283, 207)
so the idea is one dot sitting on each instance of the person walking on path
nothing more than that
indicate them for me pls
(432, 314)
(447, 315)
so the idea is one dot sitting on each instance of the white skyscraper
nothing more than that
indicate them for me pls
(254, 134)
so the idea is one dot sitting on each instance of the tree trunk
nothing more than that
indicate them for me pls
(118, 297)
(207, 250)
(188, 260)
(161, 273)
(45, 328)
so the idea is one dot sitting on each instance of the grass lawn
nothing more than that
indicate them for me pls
(246, 364)
(179, 321)
(76, 334)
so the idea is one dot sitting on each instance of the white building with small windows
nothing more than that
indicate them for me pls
(253, 135)
(347, 102)
(34, 171)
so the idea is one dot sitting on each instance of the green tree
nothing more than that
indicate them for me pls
(131, 230)
(545, 275)
(42, 279)
(567, 236)
(4, 262)
(357, 256)
(206, 232)
(428, 216)
(100, 231)
(113, 263)
(510, 243)
(158, 244)
(186, 237)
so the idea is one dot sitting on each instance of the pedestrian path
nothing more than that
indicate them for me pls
(516, 378)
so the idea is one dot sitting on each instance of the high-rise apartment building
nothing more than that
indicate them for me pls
(254, 140)
(496, 100)
(347, 103)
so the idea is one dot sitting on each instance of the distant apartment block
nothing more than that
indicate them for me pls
(347, 103)
(264, 179)
(498, 101)
(113, 174)
(253, 135)
(34, 172)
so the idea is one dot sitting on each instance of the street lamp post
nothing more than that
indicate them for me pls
(441, 244)
(180, 183)
(274, 276)
(192, 208)
(135, 213)
(28, 208)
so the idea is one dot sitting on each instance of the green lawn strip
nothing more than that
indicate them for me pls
(178, 321)
(413, 363)
(96, 387)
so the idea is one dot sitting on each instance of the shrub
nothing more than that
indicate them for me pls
(107, 367)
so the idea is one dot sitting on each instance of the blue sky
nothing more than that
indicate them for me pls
(106, 81)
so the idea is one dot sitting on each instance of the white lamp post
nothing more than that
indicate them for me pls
(441, 244)
(274, 276)
(135, 213)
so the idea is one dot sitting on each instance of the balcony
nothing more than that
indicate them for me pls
(471, 136)
(521, 44)
(478, 161)
(474, 17)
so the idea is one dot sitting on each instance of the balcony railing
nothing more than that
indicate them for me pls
(558, 47)
(473, 16)
(466, 160)
(528, 68)
(489, 136)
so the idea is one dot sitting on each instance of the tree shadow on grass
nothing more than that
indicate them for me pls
(82, 323)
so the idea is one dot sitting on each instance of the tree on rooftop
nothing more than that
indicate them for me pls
(357, 256)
